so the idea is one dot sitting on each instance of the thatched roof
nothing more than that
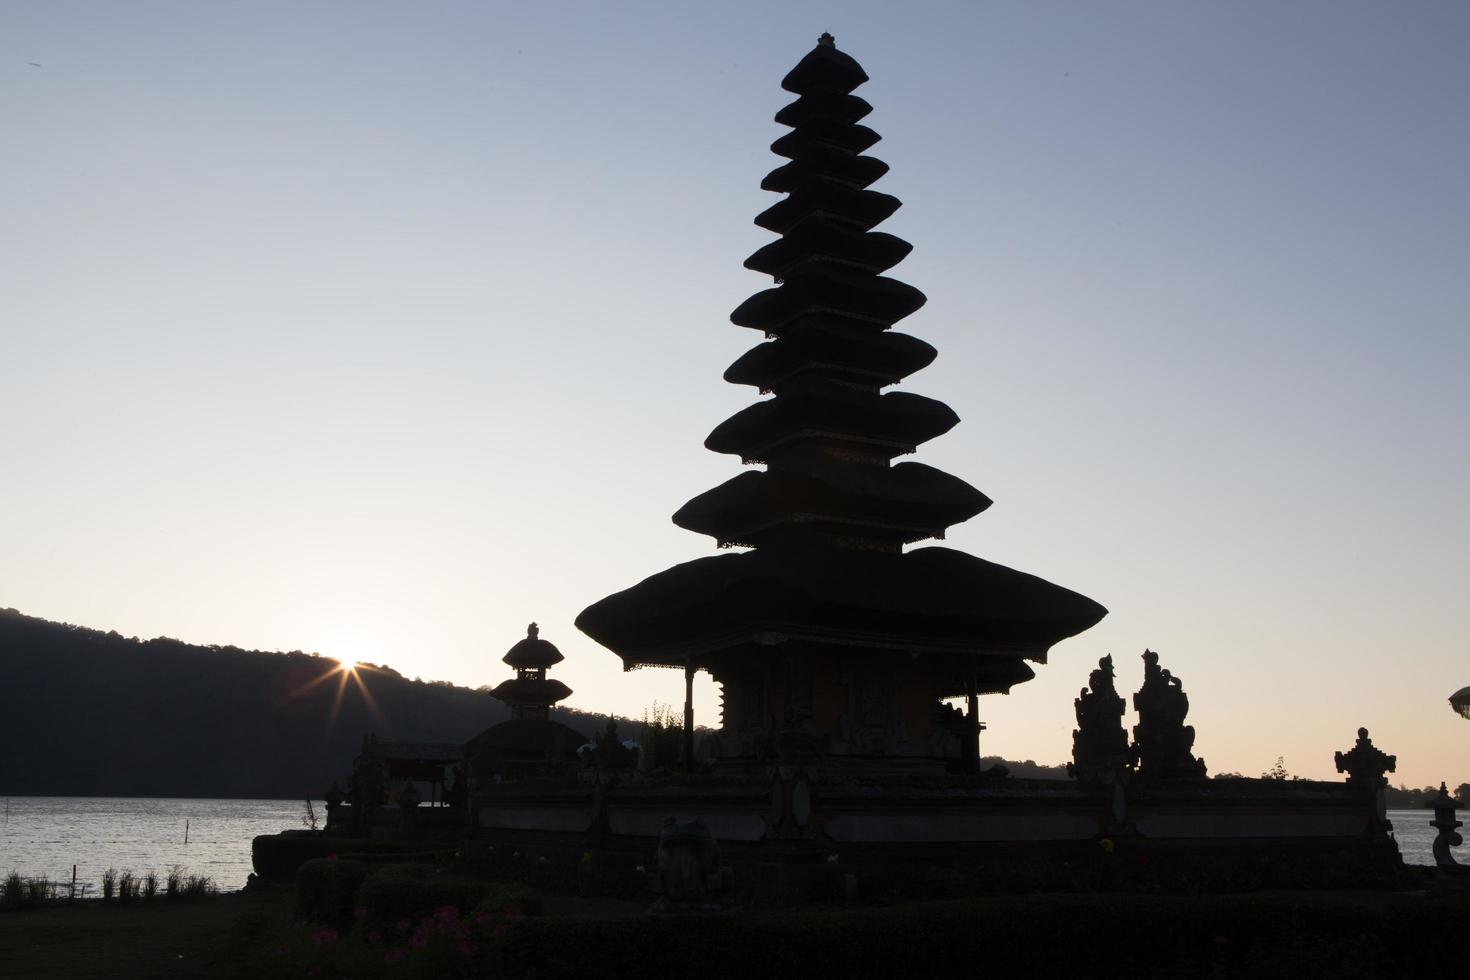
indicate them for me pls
(824, 69)
(533, 652)
(929, 598)
(823, 287)
(889, 425)
(823, 105)
(904, 503)
(529, 690)
(871, 358)
(828, 241)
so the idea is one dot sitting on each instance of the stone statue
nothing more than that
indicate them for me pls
(1162, 742)
(688, 876)
(1449, 874)
(1099, 743)
(1367, 766)
(611, 752)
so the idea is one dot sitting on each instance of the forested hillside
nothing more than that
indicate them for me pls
(88, 713)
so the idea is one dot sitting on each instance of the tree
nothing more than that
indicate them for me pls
(1278, 771)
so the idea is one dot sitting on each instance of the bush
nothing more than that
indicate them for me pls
(13, 891)
(395, 893)
(326, 889)
(109, 884)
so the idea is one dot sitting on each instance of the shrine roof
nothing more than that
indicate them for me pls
(928, 598)
(526, 735)
(909, 501)
(825, 69)
(879, 358)
(529, 690)
(533, 652)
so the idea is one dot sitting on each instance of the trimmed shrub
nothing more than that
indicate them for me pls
(397, 892)
(326, 889)
(282, 855)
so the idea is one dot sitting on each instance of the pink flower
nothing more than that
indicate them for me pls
(394, 955)
(512, 914)
(360, 912)
(466, 948)
(375, 937)
(324, 937)
(283, 949)
(418, 940)
(403, 925)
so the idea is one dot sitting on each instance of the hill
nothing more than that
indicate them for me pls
(88, 713)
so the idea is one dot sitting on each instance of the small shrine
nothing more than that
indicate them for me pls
(829, 635)
(530, 742)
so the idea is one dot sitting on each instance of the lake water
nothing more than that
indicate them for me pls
(43, 836)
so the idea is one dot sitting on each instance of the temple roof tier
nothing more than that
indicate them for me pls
(530, 690)
(825, 69)
(883, 426)
(823, 105)
(816, 240)
(901, 504)
(832, 134)
(928, 599)
(991, 677)
(533, 652)
(823, 163)
(877, 359)
(828, 199)
(819, 287)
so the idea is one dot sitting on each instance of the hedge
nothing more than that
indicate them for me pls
(1345, 935)
(409, 891)
(326, 890)
(282, 855)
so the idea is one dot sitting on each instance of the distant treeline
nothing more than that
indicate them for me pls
(1403, 798)
(87, 713)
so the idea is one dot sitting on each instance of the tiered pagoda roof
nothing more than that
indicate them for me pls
(531, 688)
(831, 514)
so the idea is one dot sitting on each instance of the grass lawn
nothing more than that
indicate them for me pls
(154, 939)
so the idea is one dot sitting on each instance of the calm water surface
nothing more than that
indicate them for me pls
(43, 836)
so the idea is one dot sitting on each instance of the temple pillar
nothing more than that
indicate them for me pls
(689, 761)
(970, 749)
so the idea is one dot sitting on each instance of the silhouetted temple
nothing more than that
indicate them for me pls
(838, 650)
(529, 741)
(828, 637)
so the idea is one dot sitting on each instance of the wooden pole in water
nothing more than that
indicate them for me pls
(186, 830)
(73, 895)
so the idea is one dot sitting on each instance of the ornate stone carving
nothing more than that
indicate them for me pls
(1365, 764)
(1444, 821)
(688, 876)
(1162, 742)
(610, 752)
(1099, 743)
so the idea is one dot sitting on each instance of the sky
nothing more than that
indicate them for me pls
(381, 329)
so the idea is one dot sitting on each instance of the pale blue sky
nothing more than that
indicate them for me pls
(381, 329)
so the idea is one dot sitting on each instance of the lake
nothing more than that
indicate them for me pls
(46, 835)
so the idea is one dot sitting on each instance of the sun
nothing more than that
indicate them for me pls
(348, 666)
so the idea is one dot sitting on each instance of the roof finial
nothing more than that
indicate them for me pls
(532, 631)
(827, 40)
